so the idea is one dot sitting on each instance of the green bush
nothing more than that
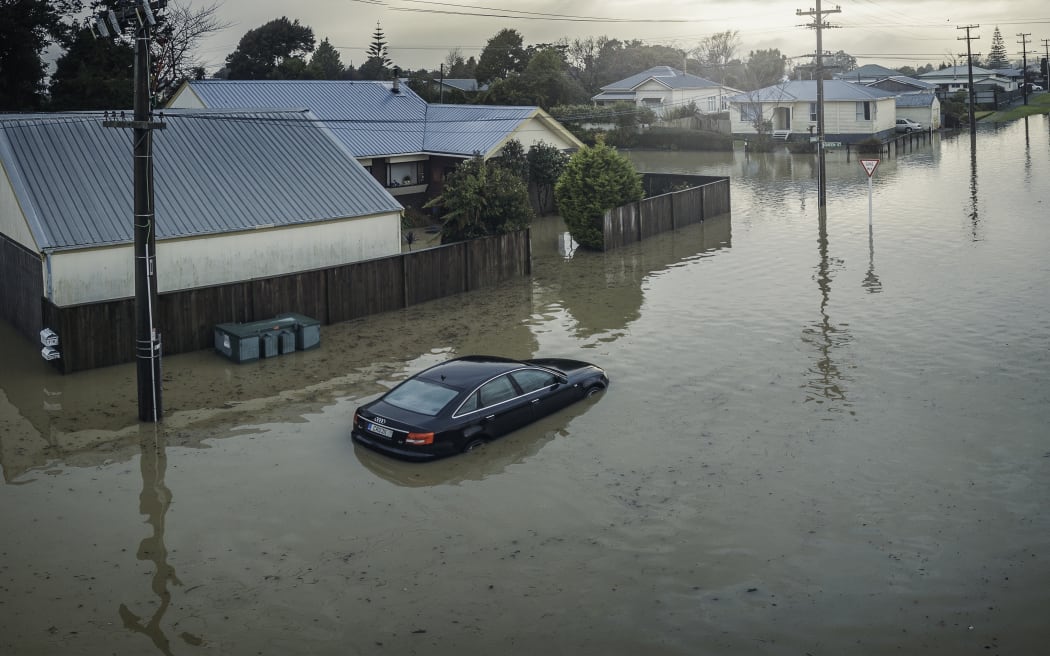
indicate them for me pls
(482, 198)
(596, 179)
(682, 139)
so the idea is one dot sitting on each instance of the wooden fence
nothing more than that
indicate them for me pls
(21, 288)
(102, 334)
(642, 219)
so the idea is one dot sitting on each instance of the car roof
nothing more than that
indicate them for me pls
(470, 370)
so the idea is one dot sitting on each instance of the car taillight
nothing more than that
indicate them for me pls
(420, 438)
(355, 419)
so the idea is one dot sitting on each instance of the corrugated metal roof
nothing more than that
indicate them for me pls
(372, 120)
(806, 90)
(368, 116)
(915, 100)
(904, 79)
(463, 84)
(215, 172)
(615, 95)
(867, 72)
(666, 75)
(468, 129)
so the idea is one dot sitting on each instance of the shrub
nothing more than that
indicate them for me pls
(482, 198)
(682, 139)
(596, 179)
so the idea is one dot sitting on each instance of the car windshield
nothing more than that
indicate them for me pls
(421, 396)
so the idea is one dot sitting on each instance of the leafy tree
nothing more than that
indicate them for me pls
(325, 63)
(262, 51)
(27, 28)
(545, 82)
(512, 158)
(617, 60)
(546, 164)
(596, 179)
(764, 68)
(94, 74)
(503, 54)
(997, 57)
(482, 198)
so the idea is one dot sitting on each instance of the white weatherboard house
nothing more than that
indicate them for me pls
(663, 88)
(852, 112)
(406, 144)
(238, 196)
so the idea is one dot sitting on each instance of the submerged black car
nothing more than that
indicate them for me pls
(461, 404)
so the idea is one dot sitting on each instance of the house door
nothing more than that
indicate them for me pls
(782, 118)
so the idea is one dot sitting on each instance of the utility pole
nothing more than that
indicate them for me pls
(1045, 68)
(141, 16)
(1046, 63)
(819, 24)
(1024, 62)
(969, 63)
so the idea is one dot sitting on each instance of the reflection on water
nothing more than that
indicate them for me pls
(600, 294)
(154, 502)
(871, 279)
(975, 219)
(825, 381)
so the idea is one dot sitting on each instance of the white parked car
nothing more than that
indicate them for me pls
(908, 125)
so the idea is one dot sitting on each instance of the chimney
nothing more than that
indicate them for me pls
(397, 81)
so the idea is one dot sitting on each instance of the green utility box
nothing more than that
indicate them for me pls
(285, 333)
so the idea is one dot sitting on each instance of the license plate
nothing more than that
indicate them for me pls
(379, 430)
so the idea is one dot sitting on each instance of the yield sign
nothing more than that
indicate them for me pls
(869, 165)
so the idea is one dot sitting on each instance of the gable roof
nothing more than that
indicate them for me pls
(670, 77)
(466, 85)
(806, 91)
(215, 172)
(867, 72)
(916, 100)
(958, 71)
(904, 80)
(373, 120)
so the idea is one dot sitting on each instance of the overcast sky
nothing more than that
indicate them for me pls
(419, 33)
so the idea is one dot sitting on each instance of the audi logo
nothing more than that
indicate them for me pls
(378, 420)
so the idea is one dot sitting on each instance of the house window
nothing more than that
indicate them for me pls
(812, 112)
(750, 112)
(712, 104)
(405, 173)
(863, 111)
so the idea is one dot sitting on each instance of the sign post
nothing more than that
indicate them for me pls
(869, 167)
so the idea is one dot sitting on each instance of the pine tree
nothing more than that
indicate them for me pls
(998, 58)
(377, 50)
(377, 66)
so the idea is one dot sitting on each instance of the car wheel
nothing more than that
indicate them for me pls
(473, 444)
(597, 389)
(907, 131)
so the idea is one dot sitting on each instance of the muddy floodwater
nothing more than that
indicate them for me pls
(821, 438)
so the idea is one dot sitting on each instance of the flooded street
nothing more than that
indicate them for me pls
(819, 439)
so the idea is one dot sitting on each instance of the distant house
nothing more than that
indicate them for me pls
(467, 86)
(407, 144)
(239, 196)
(956, 78)
(663, 88)
(852, 112)
(903, 84)
(866, 74)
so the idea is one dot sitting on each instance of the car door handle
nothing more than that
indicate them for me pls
(534, 401)
(490, 417)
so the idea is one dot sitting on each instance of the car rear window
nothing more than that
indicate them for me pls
(421, 396)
